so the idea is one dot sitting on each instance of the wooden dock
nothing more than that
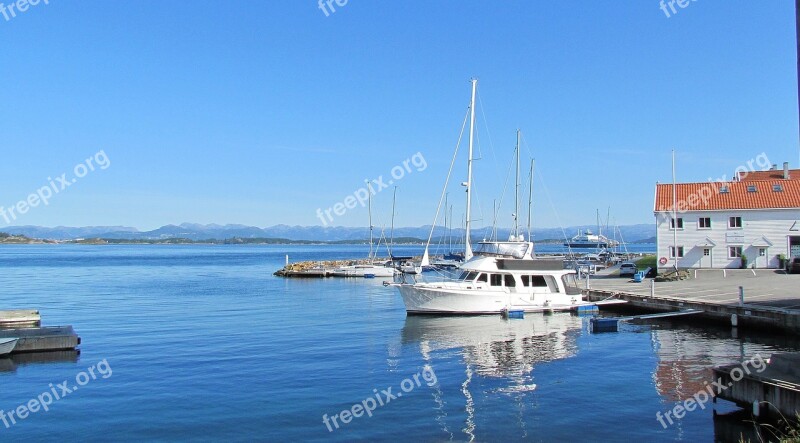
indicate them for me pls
(756, 316)
(54, 338)
(20, 317)
(775, 391)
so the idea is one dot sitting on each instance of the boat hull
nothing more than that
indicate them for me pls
(377, 271)
(7, 345)
(441, 301)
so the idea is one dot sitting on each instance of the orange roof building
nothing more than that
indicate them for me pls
(753, 221)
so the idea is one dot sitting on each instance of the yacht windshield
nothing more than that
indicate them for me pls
(468, 275)
(516, 250)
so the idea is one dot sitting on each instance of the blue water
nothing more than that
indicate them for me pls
(205, 344)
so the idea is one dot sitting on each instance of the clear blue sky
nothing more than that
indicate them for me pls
(261, 112)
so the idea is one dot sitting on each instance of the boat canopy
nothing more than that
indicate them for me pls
(502, 249)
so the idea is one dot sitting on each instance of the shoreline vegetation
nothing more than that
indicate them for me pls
(6, 238)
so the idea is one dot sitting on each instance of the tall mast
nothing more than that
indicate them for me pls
(446, 226)
(450, 232)
(391, 241)
(516, 192)
(530, 202)
(369, 207)
(467, 247)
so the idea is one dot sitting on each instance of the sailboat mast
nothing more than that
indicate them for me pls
(530, 201)
(391, 240)
(369, 207)
(446, 226)
(516, 192)
(467, 247)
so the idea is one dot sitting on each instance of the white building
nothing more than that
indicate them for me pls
(715, 224)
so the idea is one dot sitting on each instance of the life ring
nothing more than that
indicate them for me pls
(663, 260)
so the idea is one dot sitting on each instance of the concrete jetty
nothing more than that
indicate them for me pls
(54, 338)
(748, 298)
(20, 317)
(320, 269)
(775, 391)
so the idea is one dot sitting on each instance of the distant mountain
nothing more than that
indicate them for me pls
(64, 232)
(194, 231)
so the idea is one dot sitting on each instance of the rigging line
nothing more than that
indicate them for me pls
(503, 194)
(488, 134)
(553, 206)
(447, 180)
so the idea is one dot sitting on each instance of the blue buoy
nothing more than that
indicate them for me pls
(513, 314)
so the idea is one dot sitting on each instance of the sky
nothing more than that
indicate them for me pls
(263, 113)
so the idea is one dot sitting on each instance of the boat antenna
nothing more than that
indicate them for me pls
(468, 184)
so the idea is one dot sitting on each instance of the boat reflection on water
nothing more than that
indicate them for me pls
(11, 363)
(496, 347)
(493, 348)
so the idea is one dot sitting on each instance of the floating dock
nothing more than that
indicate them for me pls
(54, 338)
(20, 317)
(775, 391)
(757, 316)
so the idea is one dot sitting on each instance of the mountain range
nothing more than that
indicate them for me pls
(194, 231)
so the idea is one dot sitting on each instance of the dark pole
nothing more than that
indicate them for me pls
(797, 31)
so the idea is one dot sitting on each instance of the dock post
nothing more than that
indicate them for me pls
(287, 259)
(588, 285)
(741, 296)
(652, 288)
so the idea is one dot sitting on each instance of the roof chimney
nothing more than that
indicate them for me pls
(786, 170)
(774, 167)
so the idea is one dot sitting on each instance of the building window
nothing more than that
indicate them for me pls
(724, 190)
(777, 188)
(704, 223)
(672, 223)
(706, 252)
(762, 252)
(672, 251)
(752, 188)
(734, 251)
(735, 222)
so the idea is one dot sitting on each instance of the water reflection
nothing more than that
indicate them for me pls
(686, 355)
(10, 364)
(495, 348)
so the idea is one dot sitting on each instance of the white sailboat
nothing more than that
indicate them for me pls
(497, 276)
(370, 269)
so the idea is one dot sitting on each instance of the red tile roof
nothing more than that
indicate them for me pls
(708, 196)
(774, 174)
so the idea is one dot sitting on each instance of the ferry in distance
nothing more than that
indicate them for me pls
(589, 240)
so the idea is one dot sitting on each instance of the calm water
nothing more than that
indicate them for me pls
(205, 344)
